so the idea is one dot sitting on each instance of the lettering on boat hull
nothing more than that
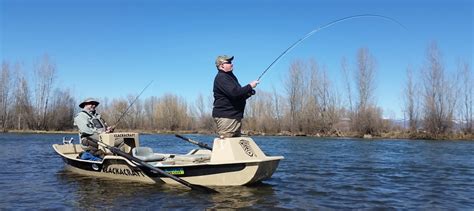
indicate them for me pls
(122, 171)
(247, 148)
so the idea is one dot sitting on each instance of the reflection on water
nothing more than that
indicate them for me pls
(257, 195)
(316, 174)
(99, 193)
(95, 193)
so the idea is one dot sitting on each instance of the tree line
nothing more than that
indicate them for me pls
(435, 104)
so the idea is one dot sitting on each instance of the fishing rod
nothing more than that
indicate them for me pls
(200, 144)
(323, 27)
(126, 110)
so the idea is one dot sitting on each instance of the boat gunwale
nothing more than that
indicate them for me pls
(187, 164)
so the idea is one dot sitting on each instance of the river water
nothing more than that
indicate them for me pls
(317, 173)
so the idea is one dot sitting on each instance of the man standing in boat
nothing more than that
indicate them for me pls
(90, 125)
(229, 98)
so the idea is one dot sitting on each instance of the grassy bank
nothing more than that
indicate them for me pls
(386, 135)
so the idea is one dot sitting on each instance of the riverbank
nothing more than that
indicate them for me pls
(135, 131)
(386, 135)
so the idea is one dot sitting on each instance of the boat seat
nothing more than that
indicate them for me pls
(195, 158)
(146, 154)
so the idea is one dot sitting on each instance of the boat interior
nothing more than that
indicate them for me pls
(131, 146)
(229, 150)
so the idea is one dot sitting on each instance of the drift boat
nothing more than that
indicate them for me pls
(231, 162)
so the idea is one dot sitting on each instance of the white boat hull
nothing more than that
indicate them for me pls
(232, 162)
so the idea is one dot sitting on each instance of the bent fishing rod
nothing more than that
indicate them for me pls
(323, 27)
(126, 110)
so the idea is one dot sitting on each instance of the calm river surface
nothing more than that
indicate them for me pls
(316, 173)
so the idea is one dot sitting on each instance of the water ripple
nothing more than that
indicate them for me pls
(316, 174)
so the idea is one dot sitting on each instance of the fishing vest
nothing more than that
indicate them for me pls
(96, 122)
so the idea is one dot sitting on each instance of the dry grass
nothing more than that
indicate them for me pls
(385, 135)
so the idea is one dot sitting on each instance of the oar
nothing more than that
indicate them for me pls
(117, 151)
(200, 144)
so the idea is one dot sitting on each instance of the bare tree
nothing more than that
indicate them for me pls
(314, 110)
(294, 85)
(368, 117)
(346, 72)
(116, 111)
(203, 113)
(171, 113)
(437, 102)
(23, 109)
(348, 115)
(278, 109)
(135, 112)
(328, 103)
(311, 110)
(45, 73)
(260, 114)
(149, 111)
(5, 94)
(466, 104)
(61, 117)
(365, 78)
(312, 101)
(411, 98)
(325, 108)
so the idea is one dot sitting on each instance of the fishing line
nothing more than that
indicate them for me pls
(323, 27)
(131, 104)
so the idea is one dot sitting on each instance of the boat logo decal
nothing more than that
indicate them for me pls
(95, 167)
(122, 135)
(175, 171)
(123, 171)
(247, 148)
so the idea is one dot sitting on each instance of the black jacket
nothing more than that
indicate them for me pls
(229, 96)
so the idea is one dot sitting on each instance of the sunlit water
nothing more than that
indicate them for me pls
(316, 173)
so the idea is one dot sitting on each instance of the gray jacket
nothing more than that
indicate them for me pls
(89, 123)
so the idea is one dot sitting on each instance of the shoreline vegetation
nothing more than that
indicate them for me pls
(435, 103)
(389, 135)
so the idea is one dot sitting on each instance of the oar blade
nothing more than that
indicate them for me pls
(203, 189)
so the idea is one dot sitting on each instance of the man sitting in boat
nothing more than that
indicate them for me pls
(90, 125)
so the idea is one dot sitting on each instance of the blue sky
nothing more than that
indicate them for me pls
(114, 48)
